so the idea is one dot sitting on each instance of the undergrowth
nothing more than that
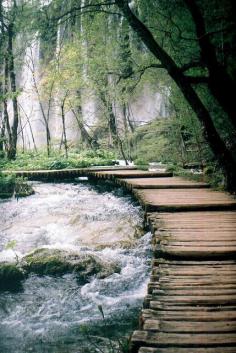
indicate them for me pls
(76, 159)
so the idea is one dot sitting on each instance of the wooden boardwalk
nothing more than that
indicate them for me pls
(190, 306)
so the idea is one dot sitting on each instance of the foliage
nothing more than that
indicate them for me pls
(76, 159)
(7, 185)
(10, 277)
(177, 143)
(10, 185)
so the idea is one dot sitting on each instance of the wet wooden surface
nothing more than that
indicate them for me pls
(191, 301)
(161, 183)
(184, 200)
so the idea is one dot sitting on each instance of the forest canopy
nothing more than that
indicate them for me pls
(92, 61)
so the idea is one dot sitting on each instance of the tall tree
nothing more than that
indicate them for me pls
(223, 154)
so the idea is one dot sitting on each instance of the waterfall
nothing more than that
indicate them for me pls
(28, 100)
(89, 100)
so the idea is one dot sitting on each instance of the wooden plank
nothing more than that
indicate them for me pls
(180, 271)
(189, 327)
(219, 288)
(195, 299)
(195, 292)
(203, 236)
(194, 216)
(205, 243)
(189, 315)
(171, 262)
(181, 199)
(160, 339)
(158, 305)
(161, 183)
(188, 350)
(195, 281)
(193, 252)
(131, 174)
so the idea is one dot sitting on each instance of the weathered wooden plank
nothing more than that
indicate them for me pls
(192, 237)
(220, 299)
(194, 216)
(188, 350)
(189, 327)
(181, 199)
(202, 243)
(171, 262)
(161, 183)
(205, 252)
(185, 271)
(195, 292)
(110, 174)
(157, 305)
(160, 339)
(188, 315)
(219, 288)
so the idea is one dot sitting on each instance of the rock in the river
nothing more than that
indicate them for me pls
(11, 277)
(58, 262)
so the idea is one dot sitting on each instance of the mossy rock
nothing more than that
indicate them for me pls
(23, 189)
(11, 277)
(46, 262)
(55, 262)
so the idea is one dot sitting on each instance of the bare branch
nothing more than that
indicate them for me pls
(81, 8)
(141, 71)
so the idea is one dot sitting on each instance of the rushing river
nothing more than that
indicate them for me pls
(56, 314)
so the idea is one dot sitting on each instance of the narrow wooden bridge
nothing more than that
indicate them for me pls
(190, 306)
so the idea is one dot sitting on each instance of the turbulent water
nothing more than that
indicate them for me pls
(56, 314)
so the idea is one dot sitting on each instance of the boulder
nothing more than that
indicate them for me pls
(56, 262)
(11, 276)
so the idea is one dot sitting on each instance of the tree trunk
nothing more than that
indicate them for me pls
(220, 83)
(222, 154)
(84, 133)
(64, 127)
(14, 128)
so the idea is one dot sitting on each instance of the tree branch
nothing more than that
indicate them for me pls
(141, 71)
(81, 8)
(191, 65)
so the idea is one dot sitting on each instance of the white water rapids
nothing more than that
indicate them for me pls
(50, 313)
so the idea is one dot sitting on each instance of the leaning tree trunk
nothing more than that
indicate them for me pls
(218, 146)
(220, 83)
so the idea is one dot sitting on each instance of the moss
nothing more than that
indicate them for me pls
(10, 185)
(45, 262)
(55, 262)
(7, 185)
(22, 188)
(11, 277)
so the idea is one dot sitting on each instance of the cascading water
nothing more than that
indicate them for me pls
(28, 100)
(54, 314)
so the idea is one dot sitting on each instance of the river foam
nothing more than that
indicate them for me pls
(50, 313)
